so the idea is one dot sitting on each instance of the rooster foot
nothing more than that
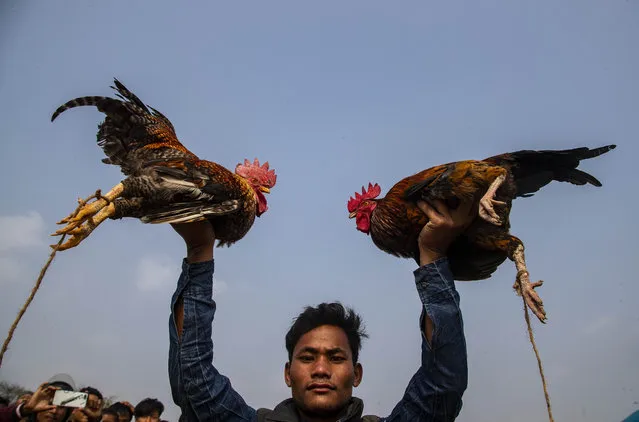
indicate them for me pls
(80, 230)
(86, 209)
(487, 210)
(525, 288)
(81, 203)
(487, 202)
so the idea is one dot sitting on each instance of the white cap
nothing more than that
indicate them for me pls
(62, 379)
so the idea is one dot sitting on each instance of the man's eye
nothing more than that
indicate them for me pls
(306, 358)
(338, 358)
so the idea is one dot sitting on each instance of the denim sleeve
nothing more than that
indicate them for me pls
(197, 387)
(435, 391)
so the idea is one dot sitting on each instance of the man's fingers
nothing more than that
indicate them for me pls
(430, 211)
(442, 208)
(43, 387)
(43, 392)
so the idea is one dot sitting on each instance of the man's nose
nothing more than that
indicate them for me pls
(322, 367)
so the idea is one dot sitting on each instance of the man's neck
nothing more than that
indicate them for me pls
(306, 418)
(314, 418)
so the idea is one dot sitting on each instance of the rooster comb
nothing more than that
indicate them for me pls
(373, 191)
(265, 175)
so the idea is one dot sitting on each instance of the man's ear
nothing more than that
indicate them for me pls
(287, 374)
(359, 373)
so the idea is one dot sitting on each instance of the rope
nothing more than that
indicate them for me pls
(43, 271)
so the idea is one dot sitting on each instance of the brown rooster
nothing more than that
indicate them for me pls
(166, 183)
(394, 222)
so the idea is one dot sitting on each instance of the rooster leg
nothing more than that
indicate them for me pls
(487, 202)
(80, 232)
(493, 239)
(86, 210)
(525, 288)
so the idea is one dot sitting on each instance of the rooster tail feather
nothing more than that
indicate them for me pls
(125, 94)
(577, 177)
(127, 109)
(535, 169)
(79, 102)
(586, 153)
(123, 129)
(116, 109)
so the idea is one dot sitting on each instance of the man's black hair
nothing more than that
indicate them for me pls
(93, 391)
(110, 411)
(4, 401)
(121, 408)
(147, 406)
(334, 314)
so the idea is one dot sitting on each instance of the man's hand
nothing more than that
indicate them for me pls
(443, 227)
(40, 401)
(199, 238)
(129, 405)
(93, 408)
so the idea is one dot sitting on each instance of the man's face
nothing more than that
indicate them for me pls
(124, 417)
(56, 414)
(321, 373)
(93, 407)
(155, 417)
(109, 418)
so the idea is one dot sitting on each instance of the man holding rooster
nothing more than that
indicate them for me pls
(323, 343)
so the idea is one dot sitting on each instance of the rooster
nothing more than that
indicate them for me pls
(394, 222)
(165, 183)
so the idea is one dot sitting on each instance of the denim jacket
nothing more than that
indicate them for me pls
(434, 393)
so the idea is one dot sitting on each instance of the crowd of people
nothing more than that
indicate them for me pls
(38, 406)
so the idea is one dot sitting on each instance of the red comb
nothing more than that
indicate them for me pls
(372, 192)
(268, 176)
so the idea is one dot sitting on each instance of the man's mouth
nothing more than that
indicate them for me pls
(321, 387)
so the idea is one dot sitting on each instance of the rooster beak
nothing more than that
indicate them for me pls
(353, 214)
(265, 189)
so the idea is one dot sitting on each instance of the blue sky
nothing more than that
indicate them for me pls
(333, 95)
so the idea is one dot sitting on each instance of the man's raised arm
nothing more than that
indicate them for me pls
(197, 387)
(435, 391)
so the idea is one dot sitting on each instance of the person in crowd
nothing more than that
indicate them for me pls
(323, 343)
(124, 409)
(148, 410)
(92, 412)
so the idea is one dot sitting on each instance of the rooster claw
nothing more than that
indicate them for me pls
(89, 220)
(68, 229)
(487, 210)
(71, 243)
(525, 288)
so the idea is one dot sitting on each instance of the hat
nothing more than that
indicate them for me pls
(63, 381)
